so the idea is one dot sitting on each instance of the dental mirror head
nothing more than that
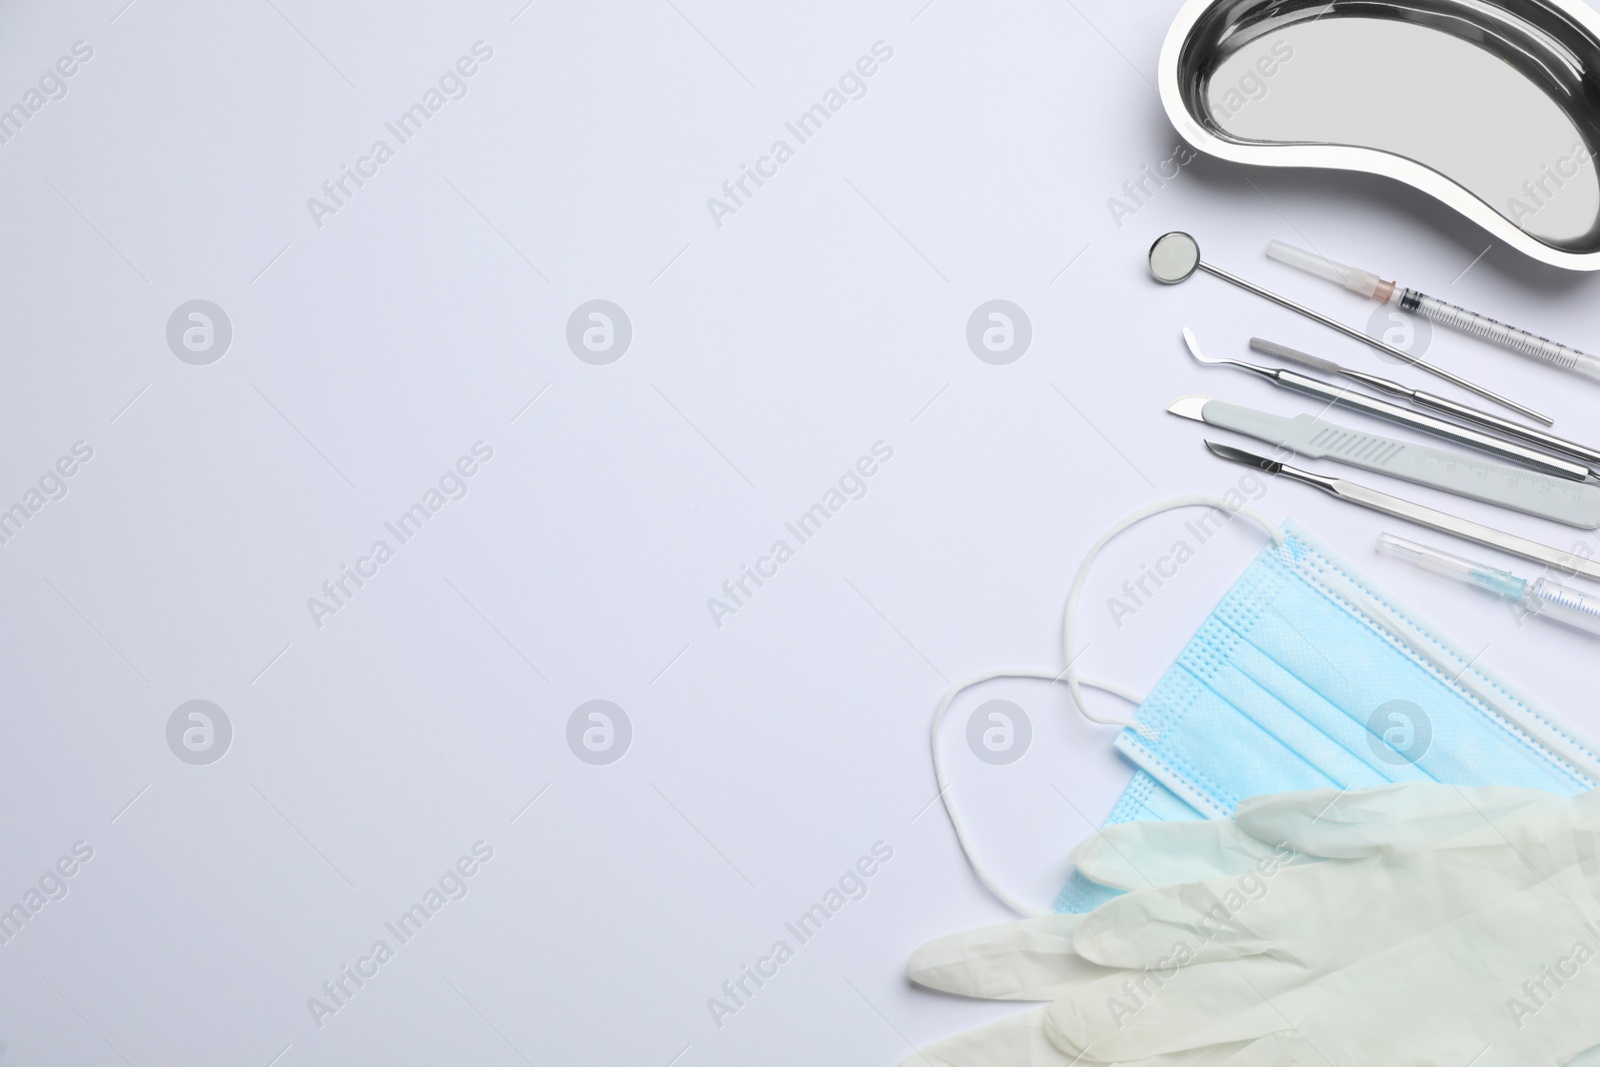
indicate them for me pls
(1174, 257)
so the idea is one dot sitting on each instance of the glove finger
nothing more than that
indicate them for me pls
(1209, 1056)
(1367, 902)
(1432, 990)
(1028, 960)
(1138, 855)
(1021, 1041)
(1143, 1016)
(1295, 828)
(1018, 1041)
(1591, 1058)
(1140, 928)
(1283, 1049)
(1196, 922)
(1345, 824)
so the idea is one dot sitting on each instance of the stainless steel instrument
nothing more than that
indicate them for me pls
(1176, 256)
(1433, 519)
(1309, 437)
(1537, 438)
(1382, 409)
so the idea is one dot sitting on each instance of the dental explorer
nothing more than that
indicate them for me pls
(1444, 313)
(1382, 409)
(1360, 495)
(1175, 257)
(1505, 427)
(1541, 596)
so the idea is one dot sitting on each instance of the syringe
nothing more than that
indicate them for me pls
(1538, 597)
(1446, 314)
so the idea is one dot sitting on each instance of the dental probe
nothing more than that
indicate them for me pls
(1541, 596)
(1176, 256)
(1354, 493)
(1537, 438)
(1382, 409)
(1445, 314)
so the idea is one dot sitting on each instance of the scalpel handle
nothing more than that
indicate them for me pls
(1469, 476)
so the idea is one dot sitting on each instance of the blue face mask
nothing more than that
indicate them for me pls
(1306, 676)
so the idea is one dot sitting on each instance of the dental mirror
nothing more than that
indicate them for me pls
(1174, 257)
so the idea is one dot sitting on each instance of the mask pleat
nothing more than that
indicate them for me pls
(1306, 676)
(1283, 703)
(1411, 718)
(1205, 740)
(1291, 686)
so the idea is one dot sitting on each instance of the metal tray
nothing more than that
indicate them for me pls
(1492, 108)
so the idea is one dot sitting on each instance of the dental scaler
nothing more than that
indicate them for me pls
(1444, 313)
(1541, 596)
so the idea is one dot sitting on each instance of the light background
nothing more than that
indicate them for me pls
(768, 354)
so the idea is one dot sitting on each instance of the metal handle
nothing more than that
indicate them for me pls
(1474, 477)
(1355, 493)
(1387, 349)
(1461, 435)
(1507, 427)
(1465, 529)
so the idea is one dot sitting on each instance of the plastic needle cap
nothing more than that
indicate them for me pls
(1352, 278)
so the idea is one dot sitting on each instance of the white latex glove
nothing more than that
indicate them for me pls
(1020, 1041)
(1411, 858)
(1034, 959)
(1409, 950)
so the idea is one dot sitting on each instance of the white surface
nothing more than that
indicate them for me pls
(768, 354)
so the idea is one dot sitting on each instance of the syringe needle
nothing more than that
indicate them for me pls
(1541, 596)
(1435, 310)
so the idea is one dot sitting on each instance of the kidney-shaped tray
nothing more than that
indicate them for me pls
(1492, 108)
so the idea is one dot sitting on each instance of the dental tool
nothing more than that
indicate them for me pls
(1382, 409)
(1175, 257)
(1541, 596)
(1309, 437)
(1360, 495)
(1537, 438)
(1445, 314)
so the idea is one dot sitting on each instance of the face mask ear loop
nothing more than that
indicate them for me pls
(1069, 675)
(944, 784)
(1069, 623)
